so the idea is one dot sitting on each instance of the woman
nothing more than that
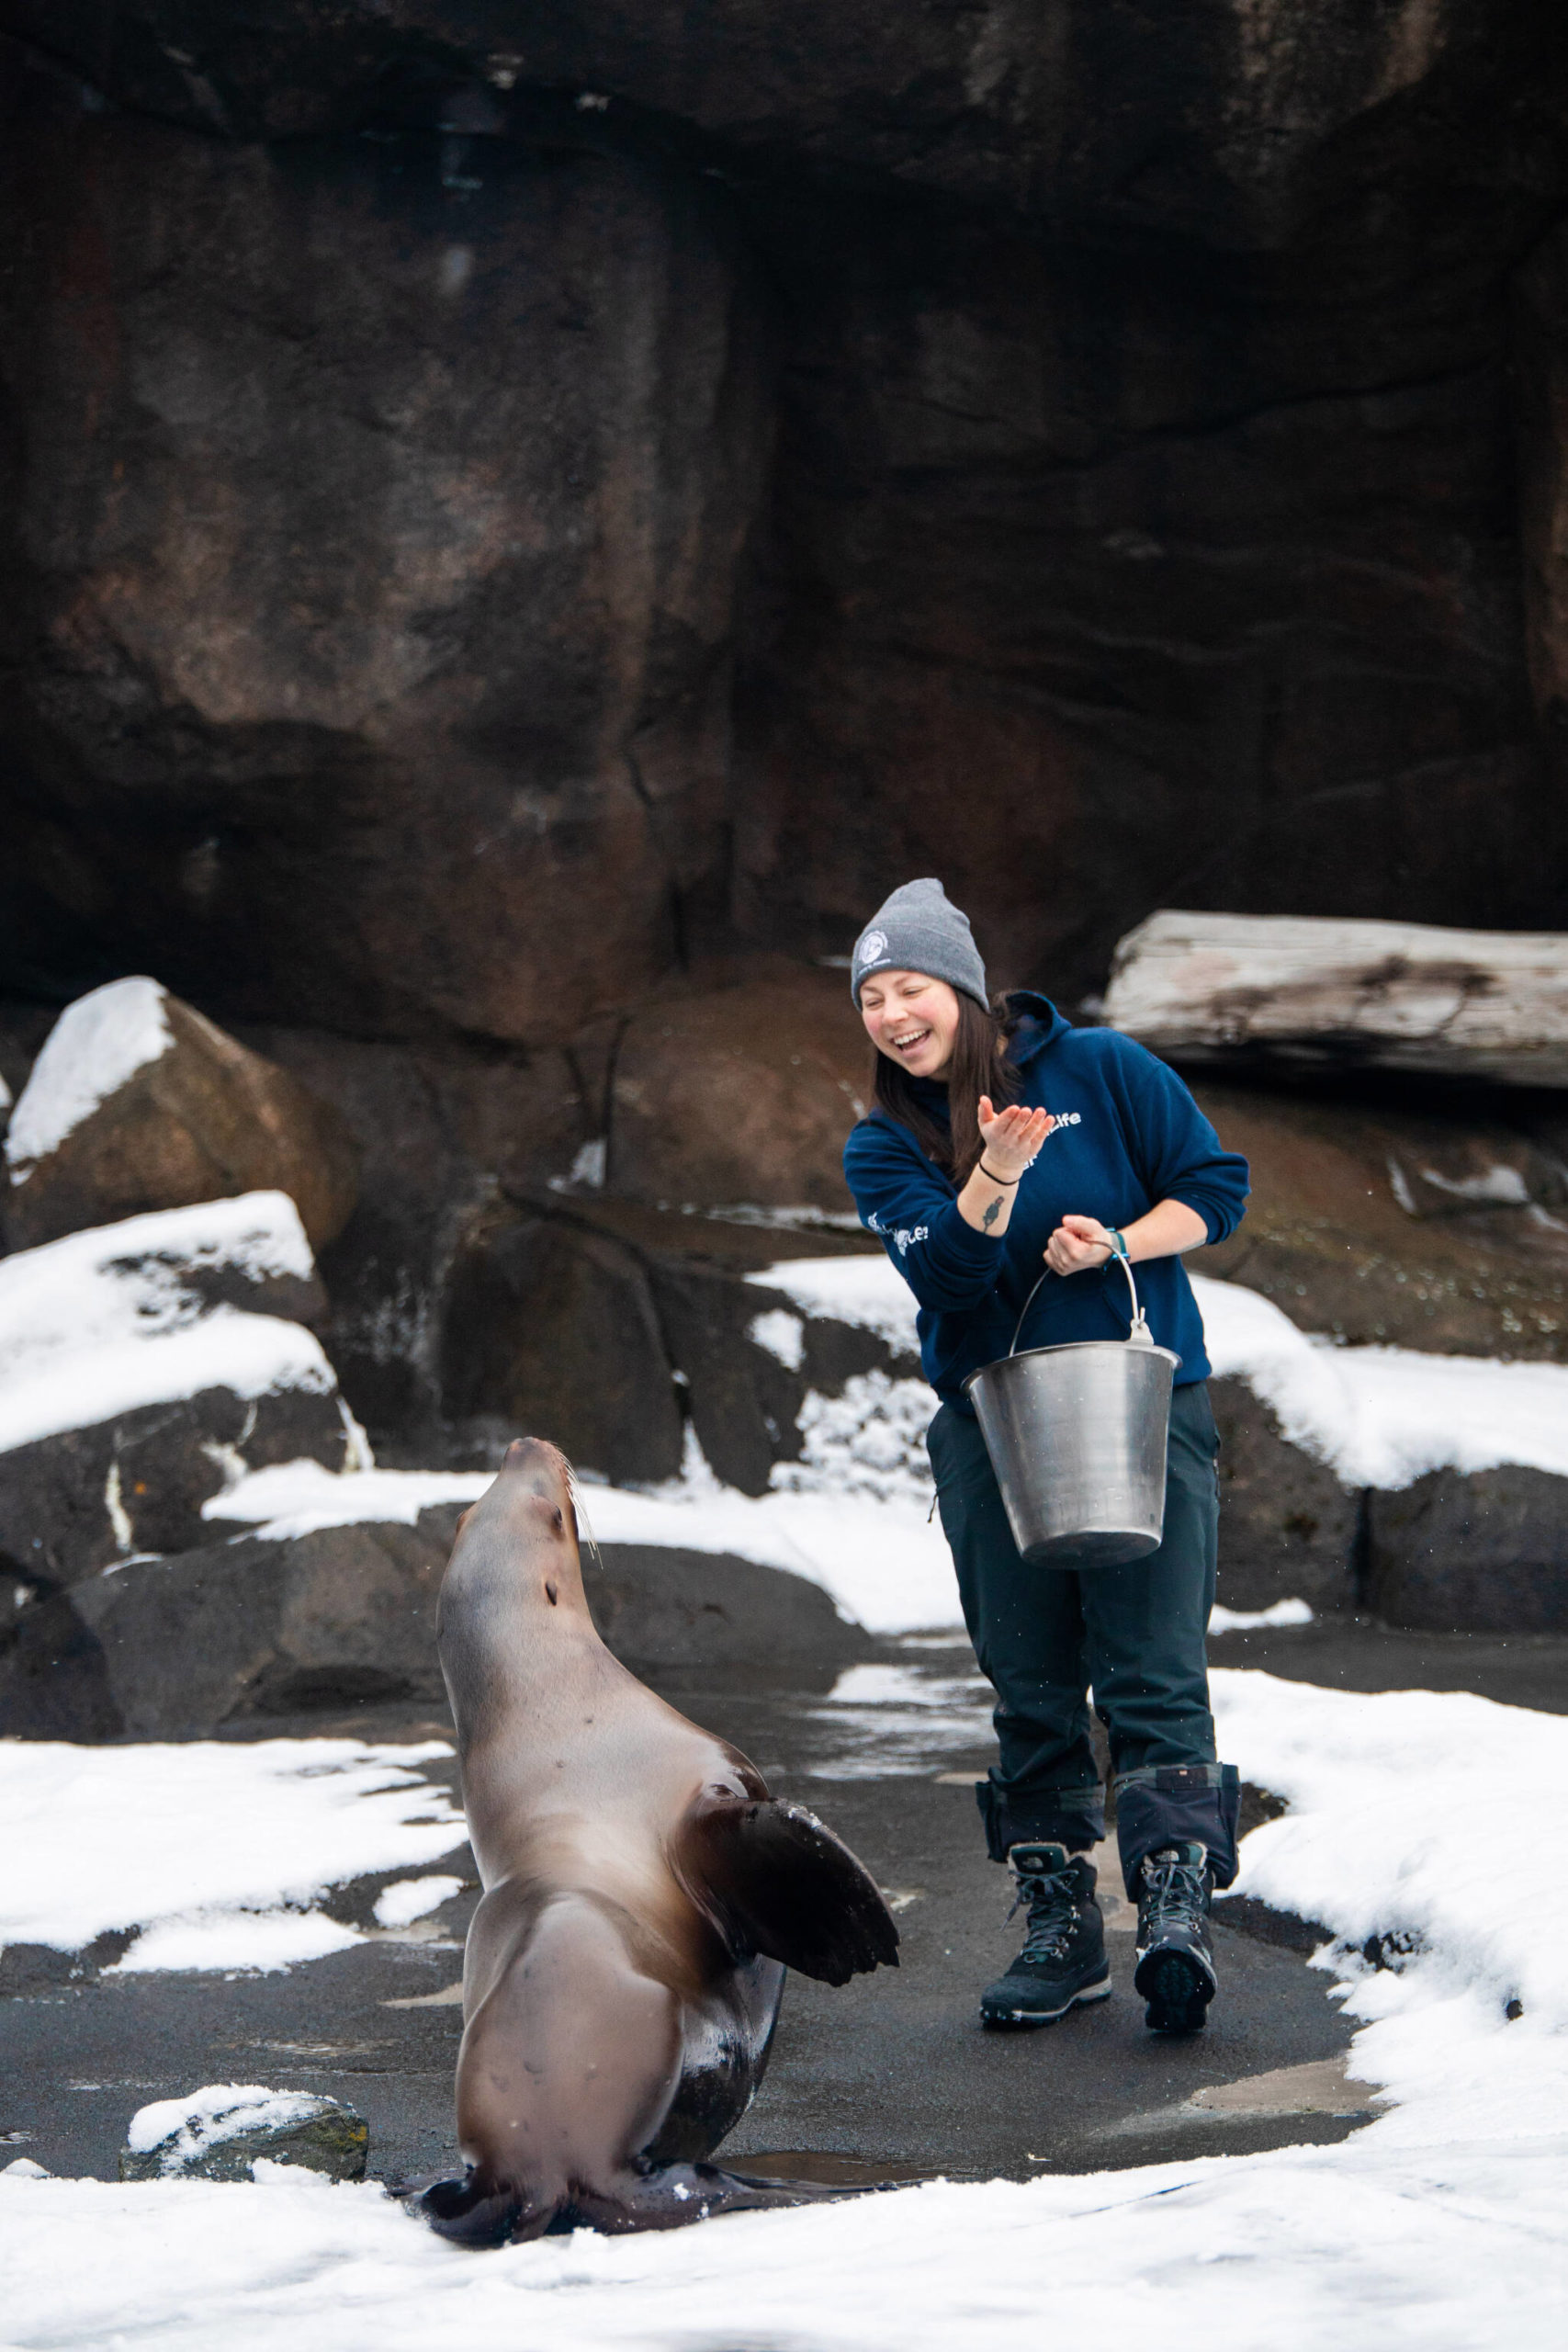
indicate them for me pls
(999, 1138)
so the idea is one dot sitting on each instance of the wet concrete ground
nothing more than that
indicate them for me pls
(891, 2072)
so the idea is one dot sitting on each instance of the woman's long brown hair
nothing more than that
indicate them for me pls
(979, 1064)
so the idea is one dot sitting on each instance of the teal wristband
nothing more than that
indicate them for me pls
(1118, 1244)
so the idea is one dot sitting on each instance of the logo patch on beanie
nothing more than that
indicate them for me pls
(873, 944)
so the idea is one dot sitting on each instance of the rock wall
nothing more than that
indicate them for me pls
(379, 518)
(504, 508)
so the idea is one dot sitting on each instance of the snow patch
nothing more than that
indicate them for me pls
(1384, 1416)
(145, 1837)
(783, 1335)
(102, 1322)
(239, 1941)
(1244, 1621)
(1409, 1811)
(97, 1043)
(869, 1440)
(407, 1899)
(290, 1499)
(866, 1291)
(882, 1563)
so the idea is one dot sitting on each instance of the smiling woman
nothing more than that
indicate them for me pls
(1002, 1135)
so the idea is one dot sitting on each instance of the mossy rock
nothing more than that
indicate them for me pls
(326, 2137)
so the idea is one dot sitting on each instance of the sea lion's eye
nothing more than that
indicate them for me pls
(550, 1594)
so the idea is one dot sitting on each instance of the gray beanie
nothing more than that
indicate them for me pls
(918, 930)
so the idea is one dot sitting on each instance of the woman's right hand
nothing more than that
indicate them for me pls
(1011, 1138)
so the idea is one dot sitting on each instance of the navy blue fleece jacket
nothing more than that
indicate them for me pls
(1128, 1134)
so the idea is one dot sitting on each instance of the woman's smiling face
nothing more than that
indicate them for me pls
(912, 1019)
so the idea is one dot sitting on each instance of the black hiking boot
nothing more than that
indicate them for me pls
(1063, 1959)
(1176, 1968)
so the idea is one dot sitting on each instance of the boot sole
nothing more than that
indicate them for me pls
(1178, 1992)
(1019, 2020)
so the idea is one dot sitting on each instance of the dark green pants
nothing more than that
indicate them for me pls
(1135, 1636)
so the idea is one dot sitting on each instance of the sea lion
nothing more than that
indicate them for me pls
(643, 1896)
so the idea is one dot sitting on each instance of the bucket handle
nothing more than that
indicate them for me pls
(1138, 1336)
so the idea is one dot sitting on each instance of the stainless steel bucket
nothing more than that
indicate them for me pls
(1076, 1437)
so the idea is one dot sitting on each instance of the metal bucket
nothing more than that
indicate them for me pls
(1077, 1436)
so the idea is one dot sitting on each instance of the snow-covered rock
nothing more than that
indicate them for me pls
(97, 1045)
(142, 1366)
(219, 2131)
(138, 1102)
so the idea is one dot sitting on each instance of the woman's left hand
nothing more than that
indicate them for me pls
(1078, 1242)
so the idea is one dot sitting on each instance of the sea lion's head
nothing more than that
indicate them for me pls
(525, 1520)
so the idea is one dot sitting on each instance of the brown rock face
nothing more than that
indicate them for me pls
(553, 1332)
(440, 1131)
(497, 515)
(743, 1094)
(383, 501)
(205, 1120)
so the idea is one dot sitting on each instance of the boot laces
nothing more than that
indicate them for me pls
(1175, 1889)
(1051, 1904)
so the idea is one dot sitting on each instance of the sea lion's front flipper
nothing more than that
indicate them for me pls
(774, 1880)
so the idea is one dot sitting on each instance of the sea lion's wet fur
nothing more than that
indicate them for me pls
(642, 1898)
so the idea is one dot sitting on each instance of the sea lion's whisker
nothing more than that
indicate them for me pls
(584, 1529)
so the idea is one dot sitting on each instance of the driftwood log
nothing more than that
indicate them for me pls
(1489, 1004)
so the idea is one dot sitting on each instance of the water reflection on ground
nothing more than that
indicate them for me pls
(899, 1720)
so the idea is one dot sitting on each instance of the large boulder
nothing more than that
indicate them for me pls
(442, 1131)
(1287, 1527)
(679, 1616)
(591, 1314)
(79, 1501)
(552, 1328)
(249, 1631)
(740, 1094)
(1483, 1552)
(145, 1364)
(138, 1102)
